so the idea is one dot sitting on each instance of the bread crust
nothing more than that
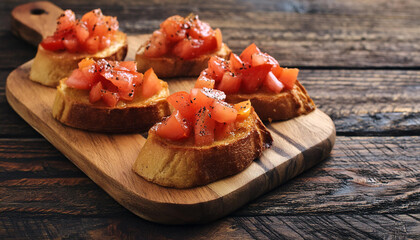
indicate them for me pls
(49, 67)
(183, 165)
(167, 67)
(72, 108)
(274, 107)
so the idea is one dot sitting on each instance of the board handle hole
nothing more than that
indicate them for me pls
(38, 11)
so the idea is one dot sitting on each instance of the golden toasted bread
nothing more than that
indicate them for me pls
(166, 67)
(181, 164)
(277, 106)
(72, 107)
(49, 67)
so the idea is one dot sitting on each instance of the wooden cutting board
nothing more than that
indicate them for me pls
(299, 144)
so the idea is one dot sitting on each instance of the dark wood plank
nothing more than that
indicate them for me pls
(373, 175)
(351, 226)
(364, 174)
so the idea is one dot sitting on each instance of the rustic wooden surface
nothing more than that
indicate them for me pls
(362, 68)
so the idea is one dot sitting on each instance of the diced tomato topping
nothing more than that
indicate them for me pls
(53, 44)
(186, 38)
(157, 46)
(272, 83)
(288, 77)
(246, 54)
(151, 84)
(230, 83)
(181, 102)
(249, 72)
(187, 48)
(127, 66)
(223, 130)
(235, 63)
(216, 68)
(206, 113)
(174, 127)
(110, 98)
(244, 109)
(199, 98)
(172, 27)
(204, 81)
(94, 32)
(277, 70)
(112, 81)
(95, 93)
(223, 112)
(219, 39)
(204, 127)
(253, 77)
(77, 80)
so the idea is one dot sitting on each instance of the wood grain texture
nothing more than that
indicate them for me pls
(35, 20)
(298, 145)
(33, 173)
(348, 226)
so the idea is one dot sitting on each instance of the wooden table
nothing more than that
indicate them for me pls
(360, 62)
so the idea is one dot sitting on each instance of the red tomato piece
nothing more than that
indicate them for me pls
(52, 44)
(223, 130)
(277, 70)
(172, 27)
(235, 63)
(272, 83)
(230, 83)
(157, 46)
(77, 80)
(223, 112)
(219, 39)
(263, 58)
(91, 18)
(174, 127)
(204, 81)
(71, 43)
(151, 84)
(127, 66)
(92, 45)
(100, 29)
(203, 127)
(247, 53)
(104, 43)
(200, 98)
(95, 93)
(216, 68)
(181, 102)
(253, 77)
(288, 77)
(66, 21)
(110, 98)
(82, 33)
(187, 48)
(198, 28)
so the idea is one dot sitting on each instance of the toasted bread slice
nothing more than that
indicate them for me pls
(72, 107)
(167, 67)
(49, 67)
(184, 165)
(277, 106)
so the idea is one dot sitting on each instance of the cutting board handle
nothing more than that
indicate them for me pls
(34, 21)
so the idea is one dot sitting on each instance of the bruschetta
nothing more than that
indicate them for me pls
(275, 92)
(94, 35)
(111, 96)
(181, 47)
(204, 139)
